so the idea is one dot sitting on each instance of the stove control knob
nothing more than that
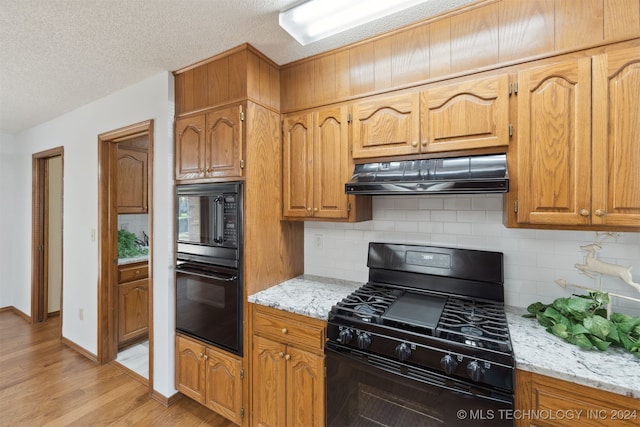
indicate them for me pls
(345, 336)
(474, 370)
(403, 351)
(449, 364)
(364, 341)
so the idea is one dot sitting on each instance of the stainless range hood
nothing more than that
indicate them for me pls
(452, 175)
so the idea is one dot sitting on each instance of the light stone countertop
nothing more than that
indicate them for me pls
(132, 260)
(538, 351)
(535, 349)
(311, 296)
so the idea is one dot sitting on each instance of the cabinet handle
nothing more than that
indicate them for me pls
(315, 209)
(287, 357)
(308, 209)
(201, 355)
(414, 144)
(285, 330)
(137, 272)
(600, 212)
(206, 357)
(201, 170)
(280, 354)
(584, 212)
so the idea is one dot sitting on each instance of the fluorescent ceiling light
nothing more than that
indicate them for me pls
(314, 20)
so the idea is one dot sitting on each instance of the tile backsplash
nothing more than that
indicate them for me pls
(135, 223)
(533, 259)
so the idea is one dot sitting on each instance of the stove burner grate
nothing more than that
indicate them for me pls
(368, 303)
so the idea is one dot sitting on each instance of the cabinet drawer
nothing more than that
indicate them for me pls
(289, 328)
(129, 272)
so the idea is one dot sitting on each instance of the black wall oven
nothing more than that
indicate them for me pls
(209, 263)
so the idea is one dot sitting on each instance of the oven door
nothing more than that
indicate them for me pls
(366, 390)
(208, 304)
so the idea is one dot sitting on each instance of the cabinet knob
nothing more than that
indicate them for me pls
(201, 170)
(287, 357)
(600, 212)
(414, 144)
(315, 209)
(280, 354)
(585, 212)
(206, 357)
(285, 330)
(201, 355)
(308, 209)
(137, 272)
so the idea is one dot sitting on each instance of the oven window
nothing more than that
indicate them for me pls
(359, 394)
(207, 308)
(196, 219)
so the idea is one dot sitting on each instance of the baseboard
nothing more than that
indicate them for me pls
(166, 401)
(83, 351)
(136, 376)
(20, 314)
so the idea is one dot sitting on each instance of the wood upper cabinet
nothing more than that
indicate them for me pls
(386, 126)
(189, 150)
(210, 145)
(317, 166)
(578, 152)
(554, 144)
(133, 303)
(616, 138)
(584, 406)
(132, 180)
(288, 369)
(211, 377)
(466, 115)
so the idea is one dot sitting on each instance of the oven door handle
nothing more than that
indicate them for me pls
(208, 275)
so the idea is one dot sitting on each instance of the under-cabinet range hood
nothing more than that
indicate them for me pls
(452, 175)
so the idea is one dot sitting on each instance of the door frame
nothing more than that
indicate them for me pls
(39, 233)
(108, 243)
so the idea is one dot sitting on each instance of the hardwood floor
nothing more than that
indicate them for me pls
(43, 382)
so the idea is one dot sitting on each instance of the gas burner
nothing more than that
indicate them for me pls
(471, 330)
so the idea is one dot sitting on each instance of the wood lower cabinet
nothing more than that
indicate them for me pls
(133, 303)
(316, 166)
(542, 401)
(578, 155)
(211, 377)
(288, 369)
(210, 145)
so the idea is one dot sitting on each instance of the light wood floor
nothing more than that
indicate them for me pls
(43, 382)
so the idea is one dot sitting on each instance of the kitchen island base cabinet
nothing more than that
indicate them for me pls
(542, 401)
(288, 369)
(210, 377)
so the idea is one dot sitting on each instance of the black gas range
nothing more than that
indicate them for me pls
(428, 328)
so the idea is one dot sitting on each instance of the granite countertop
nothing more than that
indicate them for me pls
(538, 351)
(311, 296)
(131, 260)
(535, 349)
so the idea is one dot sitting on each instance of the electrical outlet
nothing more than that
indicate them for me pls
(93, 234)
(318, 241)
(81, 314)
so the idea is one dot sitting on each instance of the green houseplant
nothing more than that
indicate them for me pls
(582, 320)
(127, 245)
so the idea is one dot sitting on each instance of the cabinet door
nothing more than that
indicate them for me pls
(224, 384)
(330, 163)
(305, 388)
(190, 162)
(616, 138)
(297, 165)
(554, 144)
(190, 374)
(133, 309)
(387, 126)
(467, 115)
(132, 181)
(224, 143)
(269, 383)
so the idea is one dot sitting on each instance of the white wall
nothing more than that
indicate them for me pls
(8, 213)
(534, 259)
(78, 132)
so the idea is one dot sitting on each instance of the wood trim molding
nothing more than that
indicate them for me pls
(166, 401)
(83, 351)
(19, 313)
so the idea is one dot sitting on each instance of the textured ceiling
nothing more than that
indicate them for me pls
(57, 55)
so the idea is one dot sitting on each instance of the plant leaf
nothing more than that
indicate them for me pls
(544, 321)
(597, 325)
(578, 328)
(581, 341)
(600, 344)
(560, 330)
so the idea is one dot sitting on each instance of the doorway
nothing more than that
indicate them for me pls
(125, 221)
(46, 245)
